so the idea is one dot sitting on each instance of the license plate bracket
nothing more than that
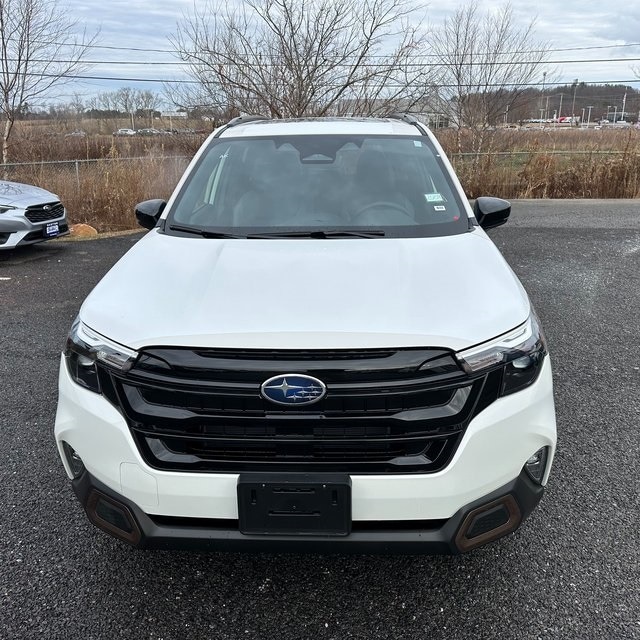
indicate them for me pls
(294, 504)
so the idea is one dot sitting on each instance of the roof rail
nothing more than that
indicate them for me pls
(409, 119)
(240, 120)
(244, 119)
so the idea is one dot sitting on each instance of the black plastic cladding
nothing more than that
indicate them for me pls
(386, 411)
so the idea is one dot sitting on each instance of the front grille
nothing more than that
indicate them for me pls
(386, 411)
(44, 212)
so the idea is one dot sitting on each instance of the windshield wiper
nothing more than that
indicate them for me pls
(317, 234)
(321, 234)
(203, 232)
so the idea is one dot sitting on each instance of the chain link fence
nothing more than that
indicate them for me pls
(103, 192)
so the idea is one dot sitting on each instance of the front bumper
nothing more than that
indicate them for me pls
(16, 230)
(484, 520)
(388, 510)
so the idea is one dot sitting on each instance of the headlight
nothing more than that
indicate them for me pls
(520, 351)
(85, 347)
(4, 208)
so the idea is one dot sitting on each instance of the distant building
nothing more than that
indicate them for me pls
(173, 114)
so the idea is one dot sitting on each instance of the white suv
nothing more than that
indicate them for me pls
(316, 347)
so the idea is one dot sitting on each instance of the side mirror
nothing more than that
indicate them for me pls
(491, 212)
(148, 212)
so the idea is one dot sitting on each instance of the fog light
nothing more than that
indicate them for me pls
(536, 465)
(73, 460)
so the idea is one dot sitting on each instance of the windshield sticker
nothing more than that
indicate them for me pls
(434, 197)
(417, 143)
(440, 208)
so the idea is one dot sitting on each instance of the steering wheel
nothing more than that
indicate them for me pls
(384, 204)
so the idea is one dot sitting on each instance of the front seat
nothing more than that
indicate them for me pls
(272, 199)
(374, 183)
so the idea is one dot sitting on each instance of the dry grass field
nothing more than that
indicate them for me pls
(551, 163)
(112, 174)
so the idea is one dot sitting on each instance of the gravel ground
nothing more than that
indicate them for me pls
(572, 571)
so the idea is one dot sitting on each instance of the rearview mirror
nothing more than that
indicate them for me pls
(149, 212)
(491, 212)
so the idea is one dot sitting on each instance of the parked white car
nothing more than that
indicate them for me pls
(29, 214)
(125, 132)
(329, 353)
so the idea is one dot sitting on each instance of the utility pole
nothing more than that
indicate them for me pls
(573, 106)
(624, 103)
(560, 109)
(589, 116)
(544, 80)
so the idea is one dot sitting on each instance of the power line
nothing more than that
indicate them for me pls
(117, 48)
(433, 55)
(111, 62)
(426, 55)
(446, 86)
(345, 64)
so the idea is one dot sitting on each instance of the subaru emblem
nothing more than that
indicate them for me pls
(293, 389)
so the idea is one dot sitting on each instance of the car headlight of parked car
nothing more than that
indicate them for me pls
(520, 351)
(4, 208)
(85, 348)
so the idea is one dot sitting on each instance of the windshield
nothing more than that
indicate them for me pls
(319, 186)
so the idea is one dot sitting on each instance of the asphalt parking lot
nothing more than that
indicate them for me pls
(572, 570)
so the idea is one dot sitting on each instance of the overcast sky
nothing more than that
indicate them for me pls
(146, 24)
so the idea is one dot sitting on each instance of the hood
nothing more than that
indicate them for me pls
(16, 193)
(453, 292)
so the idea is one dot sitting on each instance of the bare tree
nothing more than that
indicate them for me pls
(128, 101)
(38, 52)
(125, 99)
(76, 103)
(104, 101)
(147, 102)
(289, 58)
(486, 64)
